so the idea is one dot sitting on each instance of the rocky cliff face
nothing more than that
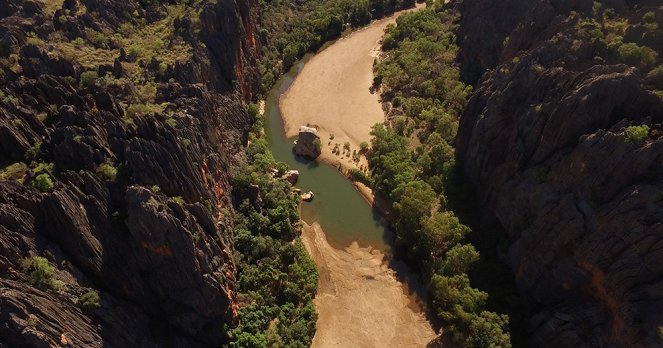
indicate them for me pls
(115, 159)
(550, 140)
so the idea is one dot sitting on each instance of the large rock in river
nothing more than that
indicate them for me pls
(308, 143)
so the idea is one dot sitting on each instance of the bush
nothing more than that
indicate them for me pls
(649, 17)
(358, 175)
(179, 200)
(639, 56)
(88, 77)
(90, 300)
(317, 145)
(140, 109)
(655, 77)
(14, 171)
(363, 147)
(43, 182)
(637, 134)
(107, 171)
(41, 273)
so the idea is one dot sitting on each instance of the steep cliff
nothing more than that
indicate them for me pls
(119, 121)
(562, 141)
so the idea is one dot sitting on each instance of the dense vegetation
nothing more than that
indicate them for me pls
(317, 22)
(412, 163)
(277, 280)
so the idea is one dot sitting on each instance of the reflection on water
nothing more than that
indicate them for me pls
(341, 211)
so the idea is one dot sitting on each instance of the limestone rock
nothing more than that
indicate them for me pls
(308, 196)
(291, 176)
(308, 143)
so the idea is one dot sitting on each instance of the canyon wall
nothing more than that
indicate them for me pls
(139, 204)
(548, 141)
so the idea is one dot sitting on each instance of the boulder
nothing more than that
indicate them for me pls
(291, 176)
(254, 194)
(308, 196)
(308, 143)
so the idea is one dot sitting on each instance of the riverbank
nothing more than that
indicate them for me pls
(360, 301)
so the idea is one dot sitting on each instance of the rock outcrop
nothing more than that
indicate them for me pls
(308, 196)
(308, 143)
(545, 139)
(131, 204)
(291, 176)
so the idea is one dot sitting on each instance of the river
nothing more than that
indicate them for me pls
(365, 298)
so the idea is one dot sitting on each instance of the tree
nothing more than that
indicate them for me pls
(489, 330)
(453, 296)
(441, 231)
(459, 259)
(413, 201)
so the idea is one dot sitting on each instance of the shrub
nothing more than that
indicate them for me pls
(79, 41)
(89, 300)
(358, 175)
(637, 134)
(639, 56)
(143, 109)
(43, 182)
(134, 51)
(41, 273)
(655, 77)
(649, 17)
(14, 171)
(88, 77)
(146, 93)
(179, 200)
(317, 145)
(33, 152)
(107, 171)
(363, 147)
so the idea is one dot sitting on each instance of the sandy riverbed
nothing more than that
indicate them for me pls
(333, 94)
(360, 302)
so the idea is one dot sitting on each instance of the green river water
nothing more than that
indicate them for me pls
(339, 209)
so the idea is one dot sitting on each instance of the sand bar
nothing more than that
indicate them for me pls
(360, 301)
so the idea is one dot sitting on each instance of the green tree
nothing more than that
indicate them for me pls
(453, 296)
(459, 259)
(489, 330)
